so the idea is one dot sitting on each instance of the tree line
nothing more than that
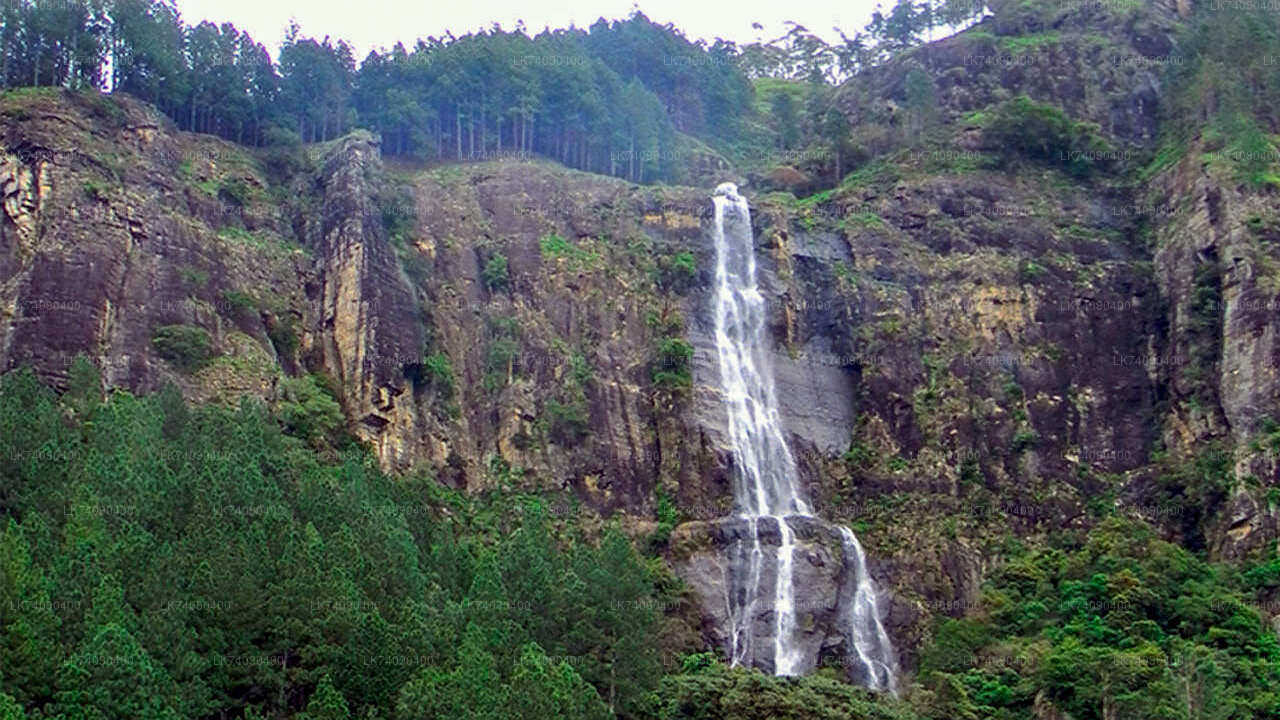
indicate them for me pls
(613, 98)
(609, 99)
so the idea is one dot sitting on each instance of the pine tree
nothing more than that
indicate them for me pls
(543, 690)
(326, 703)
(111, 676)
(29, 652)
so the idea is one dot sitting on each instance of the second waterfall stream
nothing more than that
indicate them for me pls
(766, 485)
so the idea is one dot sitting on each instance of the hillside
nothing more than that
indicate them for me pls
(1025, 345)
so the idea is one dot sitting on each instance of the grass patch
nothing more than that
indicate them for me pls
(1028, 43)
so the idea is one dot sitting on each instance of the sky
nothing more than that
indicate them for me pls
(370, 24)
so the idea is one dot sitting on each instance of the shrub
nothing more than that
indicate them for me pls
(676, 273)
(283, 336)
(860, 457)
(495, 272)
(186, 346)
(671, 367)
(306, 409)
(284, 155)
(97, 190)
(398, 214)
(238, 301)
(568, 423)
(438, 372)
(236, 190)
(1043, 132)
(193, 277)
(1024, 440)
(581, 369)
(668, 516)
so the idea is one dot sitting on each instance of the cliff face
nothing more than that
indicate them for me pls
(114, 226)
(965, 355)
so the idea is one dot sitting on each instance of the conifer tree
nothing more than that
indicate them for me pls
(29, 652)
(326, 703)
(111, 676)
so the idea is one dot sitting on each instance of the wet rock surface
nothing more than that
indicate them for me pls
(707, 555)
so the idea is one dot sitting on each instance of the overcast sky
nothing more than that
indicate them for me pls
(369, 24)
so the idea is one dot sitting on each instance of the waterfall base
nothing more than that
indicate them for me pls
(710, 557)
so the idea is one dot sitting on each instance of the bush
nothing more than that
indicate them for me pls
(97, 190)
(235, 190)
(438, 372)
(568, 423)
(186, 346)
(398, 214)
(193, 277)
(671, 366)
(860, 457)
(1024, 440)
(284, 156)
(495, 272)
(676, 273)
(283, 336)
(306, 409)
(238, 302)
(1043, 132)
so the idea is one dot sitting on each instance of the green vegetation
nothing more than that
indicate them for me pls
(1203, 331)
(672, 365)
(1194, 488)
(97, 190)
(307, 409)
(235, 189)
(239, 303)
(193, 277)
(186, 346)
(399, 216)
(495, 273)
(1121, 625)
(438, 373)
(283, 335)
(1023, 127)
(567, 422)
(163, 561)
(503, 355)
(1023, 440)
(1269, 439)
(1225, 91)
(675, 273)
(866, 220)
(554, 246)
(1029, 271)
(708, 690)
(1018, 44)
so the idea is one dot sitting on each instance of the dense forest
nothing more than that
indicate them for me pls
(614, 98)
(167, 561)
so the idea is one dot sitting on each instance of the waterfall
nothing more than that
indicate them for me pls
(766, 491)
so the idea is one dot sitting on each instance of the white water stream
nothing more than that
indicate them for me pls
(766, 491)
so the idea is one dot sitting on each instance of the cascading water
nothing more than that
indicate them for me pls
(766, 493)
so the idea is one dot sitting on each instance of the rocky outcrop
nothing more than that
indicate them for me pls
(702, 555)
(1215, 261)
(366, 330)
(113, 227)
(1100, 62)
